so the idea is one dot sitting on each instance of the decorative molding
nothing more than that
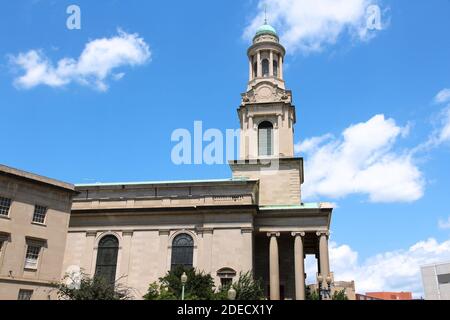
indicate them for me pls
(91, 233)
(323, 233)
(128, 233)
(301, 234)
(273, 234)
(164, 232)
(247, 230)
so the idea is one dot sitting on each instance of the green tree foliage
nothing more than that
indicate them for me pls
(340, 295)
(247, 288)
(199, 286)
(86, 288)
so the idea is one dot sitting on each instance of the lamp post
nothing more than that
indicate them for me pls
(184, 279)
(324, 285)
(232, 294)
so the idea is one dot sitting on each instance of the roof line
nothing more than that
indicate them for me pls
(136, 183)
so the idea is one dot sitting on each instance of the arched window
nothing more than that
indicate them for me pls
(182, 251)
(108, 249)
(265, 138)
(265, 68)
(275, 68)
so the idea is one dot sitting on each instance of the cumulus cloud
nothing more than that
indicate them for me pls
(389, 271)
(94, 67)
(309, 25)
(362, 161)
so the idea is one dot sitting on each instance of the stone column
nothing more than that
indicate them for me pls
(274, 266)
(271, 73)
(280, 66)
(323, 253)
(258, 63)
(299, 262)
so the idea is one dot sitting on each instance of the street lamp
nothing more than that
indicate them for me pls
(232, 294)
(184, 279)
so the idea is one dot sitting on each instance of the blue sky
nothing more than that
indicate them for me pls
(189, 63)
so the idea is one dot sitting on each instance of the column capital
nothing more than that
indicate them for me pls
(273, 234)
(323, 233)
(298, 234)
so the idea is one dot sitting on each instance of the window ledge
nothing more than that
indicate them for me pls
(39, 224)
(30, 269)
(5, 217)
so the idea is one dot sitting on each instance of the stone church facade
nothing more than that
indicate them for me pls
(255, 221)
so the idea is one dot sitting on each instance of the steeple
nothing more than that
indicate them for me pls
(266, 112)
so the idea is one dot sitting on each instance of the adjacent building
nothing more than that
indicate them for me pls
(436, 281)
(390, 295)
(34, 217)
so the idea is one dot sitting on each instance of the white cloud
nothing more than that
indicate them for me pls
(363, 161)
(389, 271)
(444, 224)
(309, 25)
(443, 96)
(94, 66)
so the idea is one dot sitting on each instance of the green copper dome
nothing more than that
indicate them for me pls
(266, 29)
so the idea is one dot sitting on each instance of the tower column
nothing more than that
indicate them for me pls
(274, 266)
(258, 63)
(271, 73)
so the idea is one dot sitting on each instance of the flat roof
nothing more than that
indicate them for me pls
(174, 182)
(36, 178)
(311, 205)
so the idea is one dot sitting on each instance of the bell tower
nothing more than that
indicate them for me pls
(267, 119)
(266, 114)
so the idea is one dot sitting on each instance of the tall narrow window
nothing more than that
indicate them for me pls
(255, 70)
(182, 251)
(39, 214)
(265, 139)
(5, 204)
(275, 68)
(32, 256)
(108, 249)
(265, 68)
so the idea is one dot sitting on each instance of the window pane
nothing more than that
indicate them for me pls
(25, 294)
(5, 204)
(265, 68)
(265, 139)
(106, 265)
(182, 251)
(32, 257)
(39, 214)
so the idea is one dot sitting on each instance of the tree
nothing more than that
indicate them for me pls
(199, 286)
(86, 288)
(340, 295)
(247, 288)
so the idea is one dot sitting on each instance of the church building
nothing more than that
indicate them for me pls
(255, 221)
